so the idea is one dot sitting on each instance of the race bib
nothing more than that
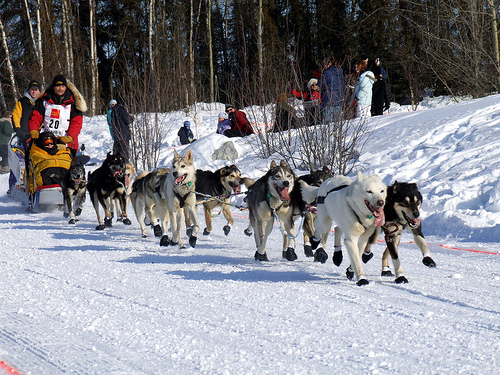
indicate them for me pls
(56, 119)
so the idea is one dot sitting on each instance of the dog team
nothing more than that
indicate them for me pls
(361, 208)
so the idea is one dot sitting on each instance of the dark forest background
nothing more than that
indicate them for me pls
(162, 55)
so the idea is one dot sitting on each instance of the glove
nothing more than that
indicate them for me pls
(34, 134)
(66, 139)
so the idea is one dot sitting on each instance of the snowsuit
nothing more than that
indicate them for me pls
(224, 125)
(61, 115)
(185, 135)
(20, 116)
(120, 131)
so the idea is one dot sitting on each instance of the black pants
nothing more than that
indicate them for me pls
(4, 153)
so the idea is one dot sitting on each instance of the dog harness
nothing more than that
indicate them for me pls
(182, 198)
(321, 199)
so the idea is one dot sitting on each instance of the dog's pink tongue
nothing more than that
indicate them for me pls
(380, 219)
(284, 194)
(127, 180)
(178, 180)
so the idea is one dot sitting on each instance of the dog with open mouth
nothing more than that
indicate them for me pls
(74, 189)
(357, 207)
(105, 184)
(177, 193)
(267, 197)
(402, 211)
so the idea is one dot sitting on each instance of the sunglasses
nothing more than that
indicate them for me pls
(48, 142)
(229, 110)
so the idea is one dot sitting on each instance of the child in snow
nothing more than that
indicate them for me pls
(185, 134)
(224, 123)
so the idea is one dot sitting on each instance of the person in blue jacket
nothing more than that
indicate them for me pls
(185, 134)
(224, 123)
(332, 88)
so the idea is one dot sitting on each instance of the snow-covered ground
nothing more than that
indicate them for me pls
(76, 300)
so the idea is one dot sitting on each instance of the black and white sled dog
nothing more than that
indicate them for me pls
(74, 189)
(214, 188)
(177, 195)
(314, 178)
(402, 210)
(357, 207)
(145, 196)
(270, 195)
(106, 183)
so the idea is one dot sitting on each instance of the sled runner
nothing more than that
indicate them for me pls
(44, 174)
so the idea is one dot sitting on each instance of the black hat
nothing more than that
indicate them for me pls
(34, 84)
(363, 57)
(59, 80)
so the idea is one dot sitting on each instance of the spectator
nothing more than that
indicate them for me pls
(5, 134)
(185, 134)
(112, 102)
(120, 129)
(22, 112)
(381, 95)
(241, 127)
(223, 124)
(364, 89)
(331, 85)
(284, 115)
(60, 111)
(311, 93)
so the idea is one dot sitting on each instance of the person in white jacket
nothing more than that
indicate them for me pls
(364, 90)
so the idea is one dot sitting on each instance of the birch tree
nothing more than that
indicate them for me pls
(15, 91)
(93, 59)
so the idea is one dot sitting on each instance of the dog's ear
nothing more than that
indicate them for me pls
(283, 163)
(395, 186)
(176, 155)
(189, 155)
(223, 171)
(273, 164)
(326, 169)
(360, 175)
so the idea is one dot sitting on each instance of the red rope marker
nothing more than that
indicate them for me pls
(10, 370)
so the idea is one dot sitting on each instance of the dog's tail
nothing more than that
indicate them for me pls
(309, 193)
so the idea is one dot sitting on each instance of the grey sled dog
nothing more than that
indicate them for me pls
(178, 194)
(357, 207)
(270, 194)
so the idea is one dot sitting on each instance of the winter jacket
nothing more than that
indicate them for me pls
(240, 122)
(364, 88)
(331, 85)
(120, 124)
(185, 135)
(108, 117)
(44, 117)
(381, 95)
(20, 116)
(224, 125)
(5, 131)
(307, 96)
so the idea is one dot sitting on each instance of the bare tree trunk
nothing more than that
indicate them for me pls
(30, 26)
(191, 54)
(93, 59)
(495, 39)
(39, 31)
(68, 45)
(150, 36)
(9, 64)
(2, 99)
(210, 51)
(260, 52)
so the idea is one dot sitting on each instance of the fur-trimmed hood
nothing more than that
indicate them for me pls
(80, 102)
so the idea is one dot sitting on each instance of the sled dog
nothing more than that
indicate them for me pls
(215, 189)
(144, 198)
(74, 189)
(176, 195)
(270, 195)
(314, 178)
(129, 175)
(357, 207)
(106, 183)
(402, 210)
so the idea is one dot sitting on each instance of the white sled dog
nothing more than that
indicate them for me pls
(178, 194)
(268, 195)
(357, 207)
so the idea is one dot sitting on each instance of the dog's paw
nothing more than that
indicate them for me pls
(401, 280)
(362, 282)
(164, 241)
(314, 243)
(226, 229)
(337, 257)
(157, 230)
(189, 231)
(78, 211)
(289, 254)
(127, 221)
(66, 215)
(173, 243)
(192, 241)
(248, 232)
(261, 257)
(366, 257)
(100, 227)
(429, 262)
(386, 272)
(206, 232)
(320, 255)
(144, 235)
(349, 273)
(308, 251)
(72, 221)
(108, 222)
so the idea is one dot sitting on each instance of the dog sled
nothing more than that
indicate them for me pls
(45, 170)
(17, 168)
